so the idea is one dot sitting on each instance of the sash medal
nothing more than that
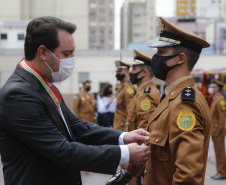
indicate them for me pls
(51, 90)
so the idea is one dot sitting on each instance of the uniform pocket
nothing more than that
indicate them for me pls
(159, 145)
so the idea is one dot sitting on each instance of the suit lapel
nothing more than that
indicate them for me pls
(33, 81)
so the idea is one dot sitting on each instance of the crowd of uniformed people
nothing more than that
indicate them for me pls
(180, 122)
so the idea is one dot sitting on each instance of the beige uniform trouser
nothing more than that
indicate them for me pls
(219, 148)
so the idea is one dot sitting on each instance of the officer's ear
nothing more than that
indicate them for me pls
(182, 58)
(145, 72)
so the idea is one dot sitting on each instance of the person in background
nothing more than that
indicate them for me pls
(124, 95)
(217, 109)
(100, 108)
(146, 99)
(84, 103)
(109, 101)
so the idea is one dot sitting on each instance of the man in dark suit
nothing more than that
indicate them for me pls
(41, 141)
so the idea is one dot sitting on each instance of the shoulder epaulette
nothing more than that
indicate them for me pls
(188, 94)
(147, 90)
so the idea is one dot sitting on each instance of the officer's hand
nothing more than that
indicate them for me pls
(121, 178)
(136, 136)
(138, 154)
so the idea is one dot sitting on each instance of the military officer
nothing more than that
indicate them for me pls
(124, 95)
(180, 126)
(147, 98)
(83, 105)
(217, 109)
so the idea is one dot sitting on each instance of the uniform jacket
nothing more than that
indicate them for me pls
(217, 109)
(35, 146)
(83, 106)
(179, 138)
(142, 105)
(124, 95)
(179, 156)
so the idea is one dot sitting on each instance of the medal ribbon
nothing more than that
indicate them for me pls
(51, 91)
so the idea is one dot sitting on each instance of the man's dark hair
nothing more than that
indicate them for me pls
(149, 70)
(44, 31)
(192, 57)
(106, 89)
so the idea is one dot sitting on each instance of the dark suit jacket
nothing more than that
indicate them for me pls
(35, 146)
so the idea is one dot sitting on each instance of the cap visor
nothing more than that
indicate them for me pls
(161, 44)
(133, 63)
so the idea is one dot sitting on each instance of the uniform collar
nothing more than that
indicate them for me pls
(175, 83)
(143, 85)
(187, 82)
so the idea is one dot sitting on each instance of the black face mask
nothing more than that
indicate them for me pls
(109, 92)
(88, 88)
(159, 67)
(133, 77)
(120, 76)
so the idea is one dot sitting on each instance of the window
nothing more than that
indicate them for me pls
(3, 36)
(101, 32)
(83, 76)
(101, 41)
(137, 15)
(92, 32)
(20, 36)
(225, 35)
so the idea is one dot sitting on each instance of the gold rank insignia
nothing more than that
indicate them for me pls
(162, 26)
(145, 105)
(186, 120)
(130, 90)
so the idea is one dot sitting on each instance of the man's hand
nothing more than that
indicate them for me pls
(138, 154)
(121, 178)
(138, 136)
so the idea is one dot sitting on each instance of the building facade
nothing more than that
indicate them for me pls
(73, 11)
(186, 10)
(101, 24)
(138, 22)
(212, 9)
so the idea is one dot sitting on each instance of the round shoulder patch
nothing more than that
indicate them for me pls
(145, 105)
(222, 103)
(186, 120)
(130, 90)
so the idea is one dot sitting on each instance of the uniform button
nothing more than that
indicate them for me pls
(145, 172)
(157, 140)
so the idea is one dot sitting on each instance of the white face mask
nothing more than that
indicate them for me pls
(210, 90)
(66, 67)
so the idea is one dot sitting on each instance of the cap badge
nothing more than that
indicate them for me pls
(162, 27)
(186, 120)
(145, 105)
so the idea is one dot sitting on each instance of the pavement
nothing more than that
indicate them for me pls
(89, 178)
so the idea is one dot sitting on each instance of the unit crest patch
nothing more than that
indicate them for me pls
(130, 90)
(186, 120)
(222, 102)
(145, 105)
(188, 94)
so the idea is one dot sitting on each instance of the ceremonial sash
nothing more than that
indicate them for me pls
(51, 90)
